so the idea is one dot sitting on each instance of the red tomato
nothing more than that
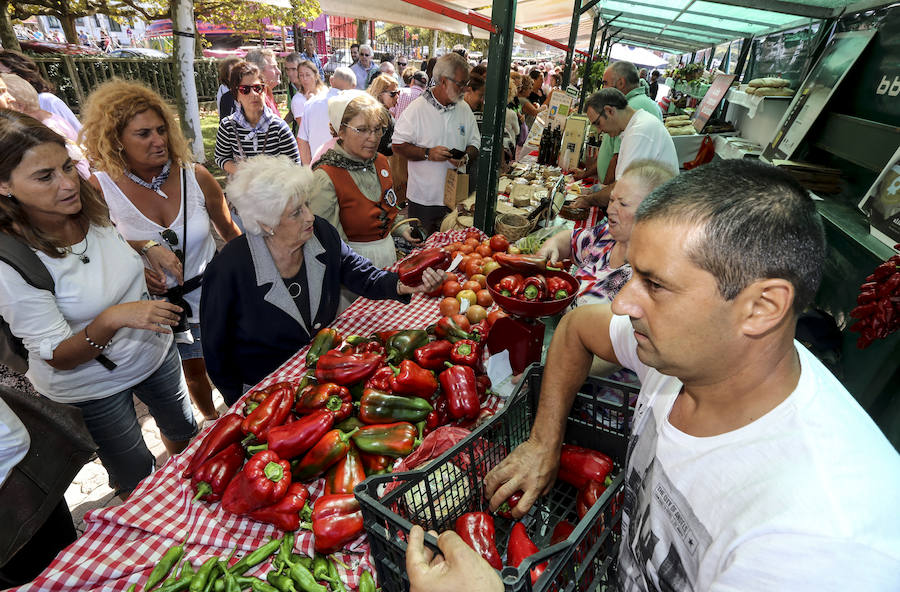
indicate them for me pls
(495, 314)
(499, 243)
(472, 285)
(484, 250)
(474, 267)
(449, 306)
(483, 298)
(473, 241)
(480, 278)
(436, 292)
(453, 246)
(462, 321)
(451, 288)
(472, 233)
(466, 249)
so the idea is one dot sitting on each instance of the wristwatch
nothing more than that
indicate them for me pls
(148, 245)
(427, 150)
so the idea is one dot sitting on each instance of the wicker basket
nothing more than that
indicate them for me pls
(513, 226)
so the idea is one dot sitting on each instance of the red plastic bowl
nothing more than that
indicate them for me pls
(525, 308)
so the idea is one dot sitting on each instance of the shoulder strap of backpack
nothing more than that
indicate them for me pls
(20, 257)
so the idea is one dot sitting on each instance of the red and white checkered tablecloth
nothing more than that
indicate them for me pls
(122, 544)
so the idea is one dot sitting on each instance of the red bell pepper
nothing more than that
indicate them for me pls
(381, 380)
(286, 513)
(346, 474)
(226, 431)
(511, 285)
(578, 466)
(273, 411)
(325, 340)
(458, 384)
(263, 481)
(520, 548)
(447, 328)
(558, 288)
(330, 449)
(390, 439)
(562, 531)
(483, 383)
(535, 288)
(476, 529)
(433, 355)
(336, 520)
(467, 352)
(212, 477)
(293, 439)
(411, 269)
(376, 464)
(346, 368)
(412, 379)
(328, 395)
(380, 407)
(506, 508)
(481, 330)
(589, 494)
(523, 263)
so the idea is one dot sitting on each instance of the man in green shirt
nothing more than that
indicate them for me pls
(623, 76)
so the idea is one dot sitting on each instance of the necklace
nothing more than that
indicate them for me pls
(83, 254)
(294, 289)
(156, 182)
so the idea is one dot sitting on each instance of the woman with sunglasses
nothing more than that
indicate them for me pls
(270, 291)
(97, 339)
(253, 128)
(161, 202)
(353, 187)
(386, 90)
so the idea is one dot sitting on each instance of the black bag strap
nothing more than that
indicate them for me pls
(20, 257)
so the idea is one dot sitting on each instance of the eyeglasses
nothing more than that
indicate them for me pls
(377, 132)
(393, 93)
(596, 120)
(459, 84)
(171, 238)
(245, 89)
(365, 55)
(402, 64)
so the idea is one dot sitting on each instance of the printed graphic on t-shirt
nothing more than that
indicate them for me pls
(662, 538)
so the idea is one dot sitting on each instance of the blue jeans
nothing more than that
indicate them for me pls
(191, 351)
(113, 422)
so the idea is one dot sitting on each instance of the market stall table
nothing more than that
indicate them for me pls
(122, 544)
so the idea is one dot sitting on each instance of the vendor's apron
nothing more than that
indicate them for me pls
(381, 253)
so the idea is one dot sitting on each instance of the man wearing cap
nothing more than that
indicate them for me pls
(314, 130)
(433, 125)
(624, 77)
(364, 67)
(413, 90)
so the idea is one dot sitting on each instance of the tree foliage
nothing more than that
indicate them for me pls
(244, 16)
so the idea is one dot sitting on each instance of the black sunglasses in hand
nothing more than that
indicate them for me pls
(171, 238)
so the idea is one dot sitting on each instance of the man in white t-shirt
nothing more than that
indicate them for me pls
(314, 130)
(427, 132)
(749, 466)
(643, 136)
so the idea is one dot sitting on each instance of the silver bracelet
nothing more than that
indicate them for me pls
(94, 345)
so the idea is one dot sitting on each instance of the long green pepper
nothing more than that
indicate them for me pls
(165, 565)
(337, 584)
(281, 582)
(320, 568)
(366, 582)
(201, 578)
(255, 558)
(304, 578)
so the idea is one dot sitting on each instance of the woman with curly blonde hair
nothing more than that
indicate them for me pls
(131, 137)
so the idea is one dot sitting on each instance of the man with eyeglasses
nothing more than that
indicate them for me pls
(433, 125)
(624, 77)
(642, 136)
(309, 53)
(364, 67)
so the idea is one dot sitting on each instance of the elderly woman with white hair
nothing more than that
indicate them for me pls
(270, 291)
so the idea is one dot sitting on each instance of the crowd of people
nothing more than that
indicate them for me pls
(122, 218)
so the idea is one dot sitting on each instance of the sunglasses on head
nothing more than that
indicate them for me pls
(171, 238)
(245, 89)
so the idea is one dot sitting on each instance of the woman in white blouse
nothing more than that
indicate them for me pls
(100, 305)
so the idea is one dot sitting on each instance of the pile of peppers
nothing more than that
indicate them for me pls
(533, 288)
(363, 403)
(878, 303)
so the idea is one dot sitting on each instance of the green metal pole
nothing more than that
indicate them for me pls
(570, 53)
(503, 17)
(589, 62)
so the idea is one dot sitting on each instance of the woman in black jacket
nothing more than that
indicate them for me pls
(270, 291)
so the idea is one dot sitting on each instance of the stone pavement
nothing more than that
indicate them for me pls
(91, 490)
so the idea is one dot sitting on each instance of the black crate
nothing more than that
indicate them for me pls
(451, 485)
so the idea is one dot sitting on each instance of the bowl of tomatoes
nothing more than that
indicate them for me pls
(532, 294)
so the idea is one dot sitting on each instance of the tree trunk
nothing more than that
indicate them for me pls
(7, 34)
(183, 34)
(362, 31)
(68, 26)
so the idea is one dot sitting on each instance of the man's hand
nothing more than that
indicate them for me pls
(579, 174)
(439, 154)
(530, 468)
(584, 201)
(460, 567)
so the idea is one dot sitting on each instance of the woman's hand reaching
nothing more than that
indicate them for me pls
(431, 279)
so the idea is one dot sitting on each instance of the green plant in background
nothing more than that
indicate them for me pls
(596, 74)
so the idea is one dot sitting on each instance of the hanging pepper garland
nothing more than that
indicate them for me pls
(878, 303)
